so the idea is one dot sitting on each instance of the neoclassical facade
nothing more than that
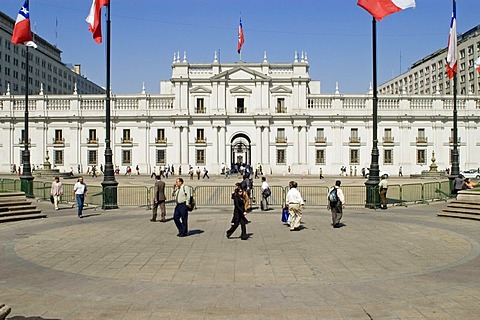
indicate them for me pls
(216, 114)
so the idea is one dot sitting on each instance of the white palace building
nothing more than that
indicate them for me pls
(216, 114)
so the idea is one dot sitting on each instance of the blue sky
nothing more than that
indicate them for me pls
(336, 34)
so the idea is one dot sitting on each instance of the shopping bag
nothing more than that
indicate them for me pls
(285, 215)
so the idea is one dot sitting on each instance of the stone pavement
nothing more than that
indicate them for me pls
(403, 263)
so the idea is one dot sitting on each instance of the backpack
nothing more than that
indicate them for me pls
(267, 192)
(191, 202)
(332, 195)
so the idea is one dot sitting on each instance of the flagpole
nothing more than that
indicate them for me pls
(26, 179)
(455, 154)
(455, 170)
(372, 201)
(109, 183)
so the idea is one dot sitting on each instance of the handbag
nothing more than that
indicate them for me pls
(51, 199)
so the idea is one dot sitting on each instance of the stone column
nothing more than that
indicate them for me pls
(259, 147)
(266, 146)
(222, 146)
(183, 148)
(296, 137)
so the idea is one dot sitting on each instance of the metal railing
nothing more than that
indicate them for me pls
(220, 196)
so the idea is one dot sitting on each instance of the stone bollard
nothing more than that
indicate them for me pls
(4, 311)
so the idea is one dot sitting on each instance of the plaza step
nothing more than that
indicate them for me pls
(15, 206)
(466, 206)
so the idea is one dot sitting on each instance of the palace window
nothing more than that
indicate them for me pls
(200, 157)
(281, 138)
(92, 136)
(281, 156)
(161, 136)
(354, 138)
(161, 157)
(320, 137)
(421, 138)
(387, 138)
(126, 157)
(126, 137)
(92, 157)
(58, 157)
(240, 105)
(200, 108)
(281, 105)
(320, 156)
(354, 156)
(421, 156)
(58, 136)
(200, 138)
(388, 156)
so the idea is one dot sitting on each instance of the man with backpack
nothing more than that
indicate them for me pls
(336, 203)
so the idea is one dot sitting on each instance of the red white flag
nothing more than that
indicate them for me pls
(477, 64)
(94, 19)
(452, 57)
(382, 8)
(22, 32)
(241, 38)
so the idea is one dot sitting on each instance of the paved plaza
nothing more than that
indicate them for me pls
(403, 263)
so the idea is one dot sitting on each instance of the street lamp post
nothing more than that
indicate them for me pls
(109, 183)
(26, 178)
(373, 199)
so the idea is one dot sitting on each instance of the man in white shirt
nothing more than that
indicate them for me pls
(79, 192)
(382, 189)
(295, 204)
(181, 194)
(336, 206)
(265, 194)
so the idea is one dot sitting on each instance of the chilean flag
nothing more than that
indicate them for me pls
(382, 8)
(477, 64)
(452, 57)
(241, 38)
(22, 32)
(94, 19)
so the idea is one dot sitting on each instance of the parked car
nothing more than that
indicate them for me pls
(472, 174)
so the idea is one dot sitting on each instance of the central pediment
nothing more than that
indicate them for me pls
(241, 73)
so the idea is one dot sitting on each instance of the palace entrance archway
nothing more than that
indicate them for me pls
(241, 150)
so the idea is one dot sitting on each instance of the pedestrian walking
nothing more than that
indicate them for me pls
(198, 173)
(56, 191)
(239, 214)
(400, 171)
(321, 173)
(382, 189)
(336, 203)
(181, 194)
(158, 199)
(295, 204)
(137, 169)
(190, 172)
(80, 192)
(205, 173)
(266, 192)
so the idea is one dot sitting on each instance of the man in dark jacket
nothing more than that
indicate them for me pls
(159, 199)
